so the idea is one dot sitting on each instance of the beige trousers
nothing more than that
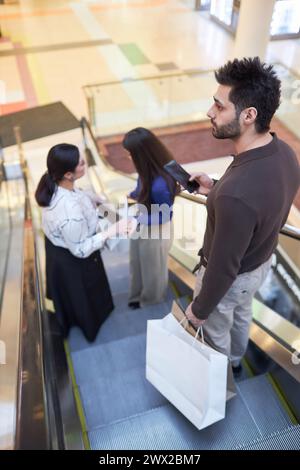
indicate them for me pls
(149, 264)
(227, 327)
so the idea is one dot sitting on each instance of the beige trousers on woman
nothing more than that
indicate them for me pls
(149, 264)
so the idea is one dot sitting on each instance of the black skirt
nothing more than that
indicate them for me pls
(79, 290)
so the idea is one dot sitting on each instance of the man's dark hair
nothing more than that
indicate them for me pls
(254, 83)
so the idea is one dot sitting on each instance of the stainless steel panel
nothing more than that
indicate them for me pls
(10, 317)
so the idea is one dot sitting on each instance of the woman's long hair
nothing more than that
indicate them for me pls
(149, 155)
(61, 159)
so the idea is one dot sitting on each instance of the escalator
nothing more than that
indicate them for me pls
(96, 395)
(115, 421)
(124, 411)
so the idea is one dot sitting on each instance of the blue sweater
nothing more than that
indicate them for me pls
(160, 195)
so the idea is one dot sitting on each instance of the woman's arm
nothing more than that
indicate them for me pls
(75, 233)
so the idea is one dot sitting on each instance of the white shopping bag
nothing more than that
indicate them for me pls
(190, 374)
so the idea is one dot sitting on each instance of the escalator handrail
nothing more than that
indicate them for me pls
(287, 230)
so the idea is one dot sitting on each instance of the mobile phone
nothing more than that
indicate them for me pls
(182, 176)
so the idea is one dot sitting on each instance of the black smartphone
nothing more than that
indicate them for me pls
(182, 176)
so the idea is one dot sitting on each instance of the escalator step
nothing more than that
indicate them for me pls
(263, 404)
(118, 396)
(109, 359)
(165, 428)
(118, 283)
(287, 439)
(117, 270)
(121, 323)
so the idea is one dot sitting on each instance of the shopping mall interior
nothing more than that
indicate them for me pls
(85, 72)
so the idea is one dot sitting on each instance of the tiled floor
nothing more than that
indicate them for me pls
(51, 48)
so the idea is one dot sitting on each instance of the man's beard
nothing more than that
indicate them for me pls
(228, 131)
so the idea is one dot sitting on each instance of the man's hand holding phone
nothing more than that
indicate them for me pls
(181, 176)
(204, 181)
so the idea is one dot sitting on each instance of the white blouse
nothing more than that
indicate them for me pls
(71, 221)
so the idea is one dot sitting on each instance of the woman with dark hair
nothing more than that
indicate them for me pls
(155, 193)
(76, 278)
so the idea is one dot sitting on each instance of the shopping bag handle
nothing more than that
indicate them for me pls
(200, 329)
(197, 334)
(202, 335)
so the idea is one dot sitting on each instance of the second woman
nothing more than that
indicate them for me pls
(155, 193)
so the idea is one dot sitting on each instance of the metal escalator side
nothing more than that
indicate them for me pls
(12, 197)
(22, 385)
(6, 229)
(32, 419)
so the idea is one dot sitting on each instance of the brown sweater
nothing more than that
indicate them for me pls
(246, 209)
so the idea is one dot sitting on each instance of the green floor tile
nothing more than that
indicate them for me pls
(133, 54)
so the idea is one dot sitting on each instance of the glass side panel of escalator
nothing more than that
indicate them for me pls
(5, 235)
